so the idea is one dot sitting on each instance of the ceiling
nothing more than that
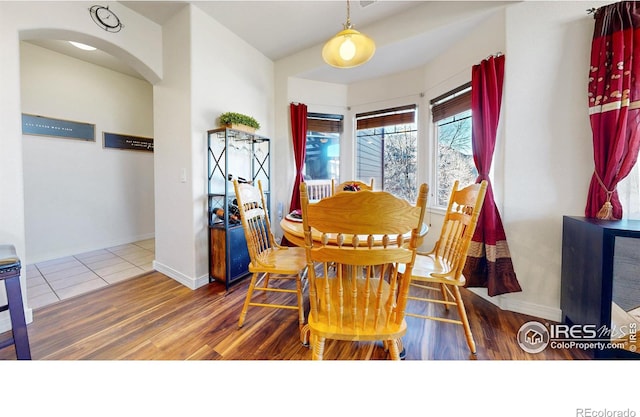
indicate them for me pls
(407, 33)
(280, 28)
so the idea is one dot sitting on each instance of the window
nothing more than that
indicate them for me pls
(629, 194)
(322, 160)
(386, 146)
(454, 155)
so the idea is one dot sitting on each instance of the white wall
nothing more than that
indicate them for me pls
(228, 75)
(208, 71)
(139, 45)
(80, 196)
(548, 154)
(172, 114)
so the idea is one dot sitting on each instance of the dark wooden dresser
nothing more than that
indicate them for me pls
(601, 278)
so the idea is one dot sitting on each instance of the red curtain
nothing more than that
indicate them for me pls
(299, 134)
(614, 103)
(489, 261)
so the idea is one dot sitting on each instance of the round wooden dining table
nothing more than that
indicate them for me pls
(294, 233)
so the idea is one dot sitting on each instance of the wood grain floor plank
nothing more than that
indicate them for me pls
(152, 317)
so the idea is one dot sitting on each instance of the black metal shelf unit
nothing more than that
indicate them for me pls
(232, 154)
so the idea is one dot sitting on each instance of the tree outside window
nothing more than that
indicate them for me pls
(386, 150)
(451, 114)
(454, 155)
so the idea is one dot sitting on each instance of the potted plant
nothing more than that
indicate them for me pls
(238, 120)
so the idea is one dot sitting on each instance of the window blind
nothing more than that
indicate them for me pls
(388, 117)
(451, 103)
(325, 123)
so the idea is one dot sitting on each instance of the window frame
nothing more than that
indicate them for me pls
(380, 119)
(324, 123)
(449, 104)
(629, 193)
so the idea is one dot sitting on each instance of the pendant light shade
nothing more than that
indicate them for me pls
(348, 48)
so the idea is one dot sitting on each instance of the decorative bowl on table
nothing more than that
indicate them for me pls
(295, 216)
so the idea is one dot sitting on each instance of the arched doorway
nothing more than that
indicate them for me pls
(89, 207)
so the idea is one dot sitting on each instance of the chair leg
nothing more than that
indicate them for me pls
(402, 352)
(394, 350)
(266, 279)
(318, 347)
(305, 335)
(247, 300)
(300, 305)
(465, 321)
(445, 295)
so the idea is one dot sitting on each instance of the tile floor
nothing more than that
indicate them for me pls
(58, 279)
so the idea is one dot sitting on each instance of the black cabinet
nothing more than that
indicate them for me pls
(601, 280)
(232, 154)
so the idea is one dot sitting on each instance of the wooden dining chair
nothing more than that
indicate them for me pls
(354, 291)
(354, 183)
(319, 189)
(440, 269)
(269, 261)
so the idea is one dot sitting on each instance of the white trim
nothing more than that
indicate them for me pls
(519, 306)
(189, 282)
(84, 249)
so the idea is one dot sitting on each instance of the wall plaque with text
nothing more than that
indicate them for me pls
(128, 142)
(46, 126)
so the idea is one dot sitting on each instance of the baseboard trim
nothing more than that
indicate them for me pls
(187, 281)
(518, 306)
(64, 252)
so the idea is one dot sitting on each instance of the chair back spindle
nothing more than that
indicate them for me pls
(458, 227)
(319, 189)
(255, 220)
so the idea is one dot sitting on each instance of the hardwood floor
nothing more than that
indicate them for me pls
(152, 317)
(158, 348)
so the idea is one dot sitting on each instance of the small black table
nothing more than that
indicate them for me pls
(591, 251)
(10, 274)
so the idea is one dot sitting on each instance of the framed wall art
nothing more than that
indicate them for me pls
(127, 142)
(46, 126)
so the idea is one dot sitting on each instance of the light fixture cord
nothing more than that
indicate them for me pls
(348, 24)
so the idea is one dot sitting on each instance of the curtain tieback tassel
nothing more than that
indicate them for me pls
(606, 211)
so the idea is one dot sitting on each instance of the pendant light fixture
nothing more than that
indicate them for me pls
(348, 48)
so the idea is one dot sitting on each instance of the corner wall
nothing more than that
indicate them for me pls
(208, 70)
